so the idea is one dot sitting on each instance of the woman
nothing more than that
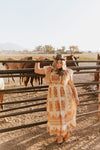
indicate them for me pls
(62, 98)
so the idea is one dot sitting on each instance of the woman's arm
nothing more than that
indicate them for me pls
(38, 69)
(74, 91)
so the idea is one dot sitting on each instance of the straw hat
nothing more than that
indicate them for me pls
(59, 57)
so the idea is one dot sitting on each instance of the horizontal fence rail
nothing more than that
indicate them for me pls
(22, 89)
(40, 110)
(89, 93)
(83, 72)
(11, 71)
(86, 83)
(36, 100)
(26, 91)
(21, 75)
(21, 61)
(37, 88)
(85, 67)
(89, 113)
(22, 126)
(31, 70)
(22, 107)
(24, 112)
(42, 103)
(25, 101)
(86, 104)
(34, 74)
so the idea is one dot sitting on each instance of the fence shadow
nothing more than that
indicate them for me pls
(25, 141)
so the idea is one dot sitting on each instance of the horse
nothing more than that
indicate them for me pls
(74, 62)
(15, 65)
(38, 77)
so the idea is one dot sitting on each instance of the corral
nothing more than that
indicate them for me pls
(84, 136)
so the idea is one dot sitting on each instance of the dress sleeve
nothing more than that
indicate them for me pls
(71, 74)
(68, 76)
(46, 69)
(70, 82)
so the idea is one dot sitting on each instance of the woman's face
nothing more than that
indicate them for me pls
(59, 64)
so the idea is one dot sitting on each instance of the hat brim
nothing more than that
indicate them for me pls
(59, 59)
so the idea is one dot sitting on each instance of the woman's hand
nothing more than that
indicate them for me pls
(37, 69)
(41, 58)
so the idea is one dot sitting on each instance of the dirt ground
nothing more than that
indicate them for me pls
(85, 136)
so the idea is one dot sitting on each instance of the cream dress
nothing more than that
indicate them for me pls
(61, 106)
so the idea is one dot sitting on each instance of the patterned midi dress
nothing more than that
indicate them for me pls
(61, 106)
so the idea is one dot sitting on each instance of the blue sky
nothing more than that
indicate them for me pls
(30, 23)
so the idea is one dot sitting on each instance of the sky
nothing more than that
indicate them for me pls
(30, 23)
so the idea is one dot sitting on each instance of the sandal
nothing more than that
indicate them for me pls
(66, 136)
(60, 139)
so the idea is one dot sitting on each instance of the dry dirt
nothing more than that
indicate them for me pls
(85, 136)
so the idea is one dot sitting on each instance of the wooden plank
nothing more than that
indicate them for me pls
(99, 99)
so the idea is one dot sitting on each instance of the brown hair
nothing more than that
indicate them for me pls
(60, 71)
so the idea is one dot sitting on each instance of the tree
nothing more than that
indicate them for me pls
(49, 49)
(39, 49)
(25, 51)
(61, 50)
(89, 51)
(74, 49)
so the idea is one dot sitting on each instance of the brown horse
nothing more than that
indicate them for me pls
(15, 65)
(73, 63)
(96, 75)
(38, 77)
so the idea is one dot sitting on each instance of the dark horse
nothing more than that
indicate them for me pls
(35, 76)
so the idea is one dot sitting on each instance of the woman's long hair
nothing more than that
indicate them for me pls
(60, 71)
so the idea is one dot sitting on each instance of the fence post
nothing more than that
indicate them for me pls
(98, 93)
(99, 100)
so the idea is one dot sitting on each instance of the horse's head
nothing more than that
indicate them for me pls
(29, 58)
(3, 63)
(74, 62)
(75, 58)
(6, 65)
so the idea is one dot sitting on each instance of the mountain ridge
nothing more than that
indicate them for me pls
(10, 46)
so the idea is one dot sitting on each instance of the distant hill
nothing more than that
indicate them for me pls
(10, 46)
